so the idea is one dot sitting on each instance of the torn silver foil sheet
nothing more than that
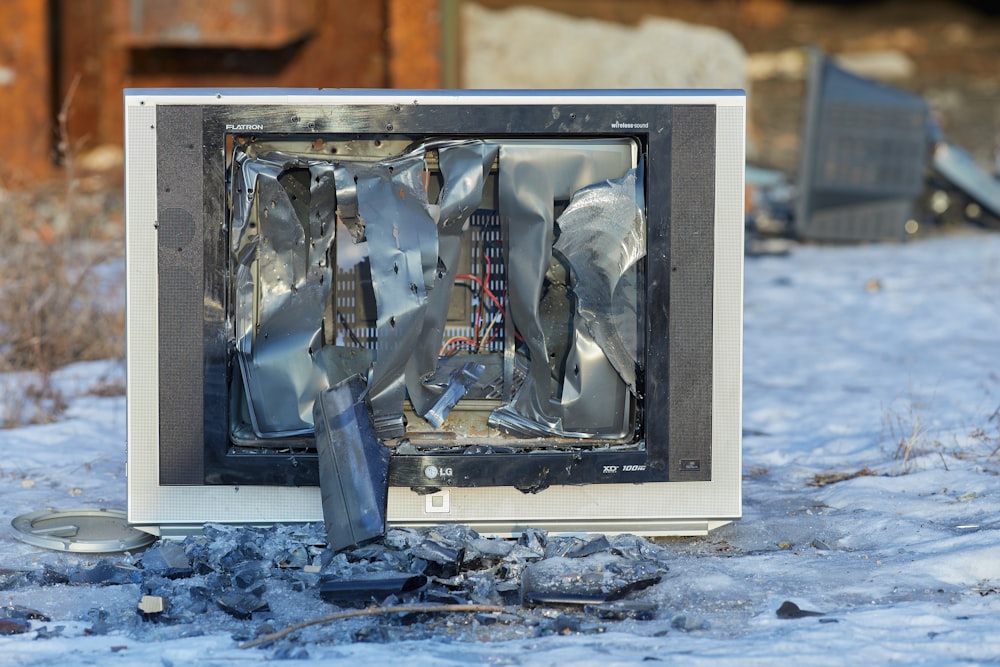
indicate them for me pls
(403, 251)
(568, 306)
(602, 238)
(281, 234)
(533, 175)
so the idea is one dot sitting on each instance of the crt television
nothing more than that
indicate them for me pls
(540, 291)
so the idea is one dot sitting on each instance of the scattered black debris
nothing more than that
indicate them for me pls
(563, 624)
(250, 580)
(789, 610)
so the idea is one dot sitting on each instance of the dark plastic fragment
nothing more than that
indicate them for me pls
(589, 580)
(241, 605)
(789, 610)
(353, 466)
(106, 573)
(372, 587)
(448, 561)
(167, 559)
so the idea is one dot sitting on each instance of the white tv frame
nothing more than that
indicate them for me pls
(653, 509)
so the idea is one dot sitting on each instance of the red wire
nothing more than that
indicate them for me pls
(485, 290)
(457, 339)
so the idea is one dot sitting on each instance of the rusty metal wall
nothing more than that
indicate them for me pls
(102, 46)
(415, 44)
(26, 125)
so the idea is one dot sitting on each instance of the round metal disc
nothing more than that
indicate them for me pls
(84, 530)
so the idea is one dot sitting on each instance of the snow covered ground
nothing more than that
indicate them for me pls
(871, 494)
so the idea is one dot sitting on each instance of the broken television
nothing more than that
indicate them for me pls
(539, 293)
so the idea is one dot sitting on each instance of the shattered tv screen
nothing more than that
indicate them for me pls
(508, 308)
(485, 289)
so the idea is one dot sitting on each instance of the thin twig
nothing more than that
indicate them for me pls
(375, 611)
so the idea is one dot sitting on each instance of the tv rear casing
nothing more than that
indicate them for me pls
(679, 475)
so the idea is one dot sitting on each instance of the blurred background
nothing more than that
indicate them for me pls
(63, 63)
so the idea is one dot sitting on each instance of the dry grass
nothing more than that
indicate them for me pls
(58, 302)
(909, 439)
(984, 443)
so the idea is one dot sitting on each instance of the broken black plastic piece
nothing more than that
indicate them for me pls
(585, 581)
(442, 561)
(353, 466)
(789, 609)
(167, 559)
(106, 573)
(241, 605)
(370, 588)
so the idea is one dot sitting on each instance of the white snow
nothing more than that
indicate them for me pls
(848, 352)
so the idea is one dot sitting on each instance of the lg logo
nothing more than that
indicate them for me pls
(433, 472)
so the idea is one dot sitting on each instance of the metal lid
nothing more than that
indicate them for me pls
(83, 529)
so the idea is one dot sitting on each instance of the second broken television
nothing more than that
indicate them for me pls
(568, 263)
